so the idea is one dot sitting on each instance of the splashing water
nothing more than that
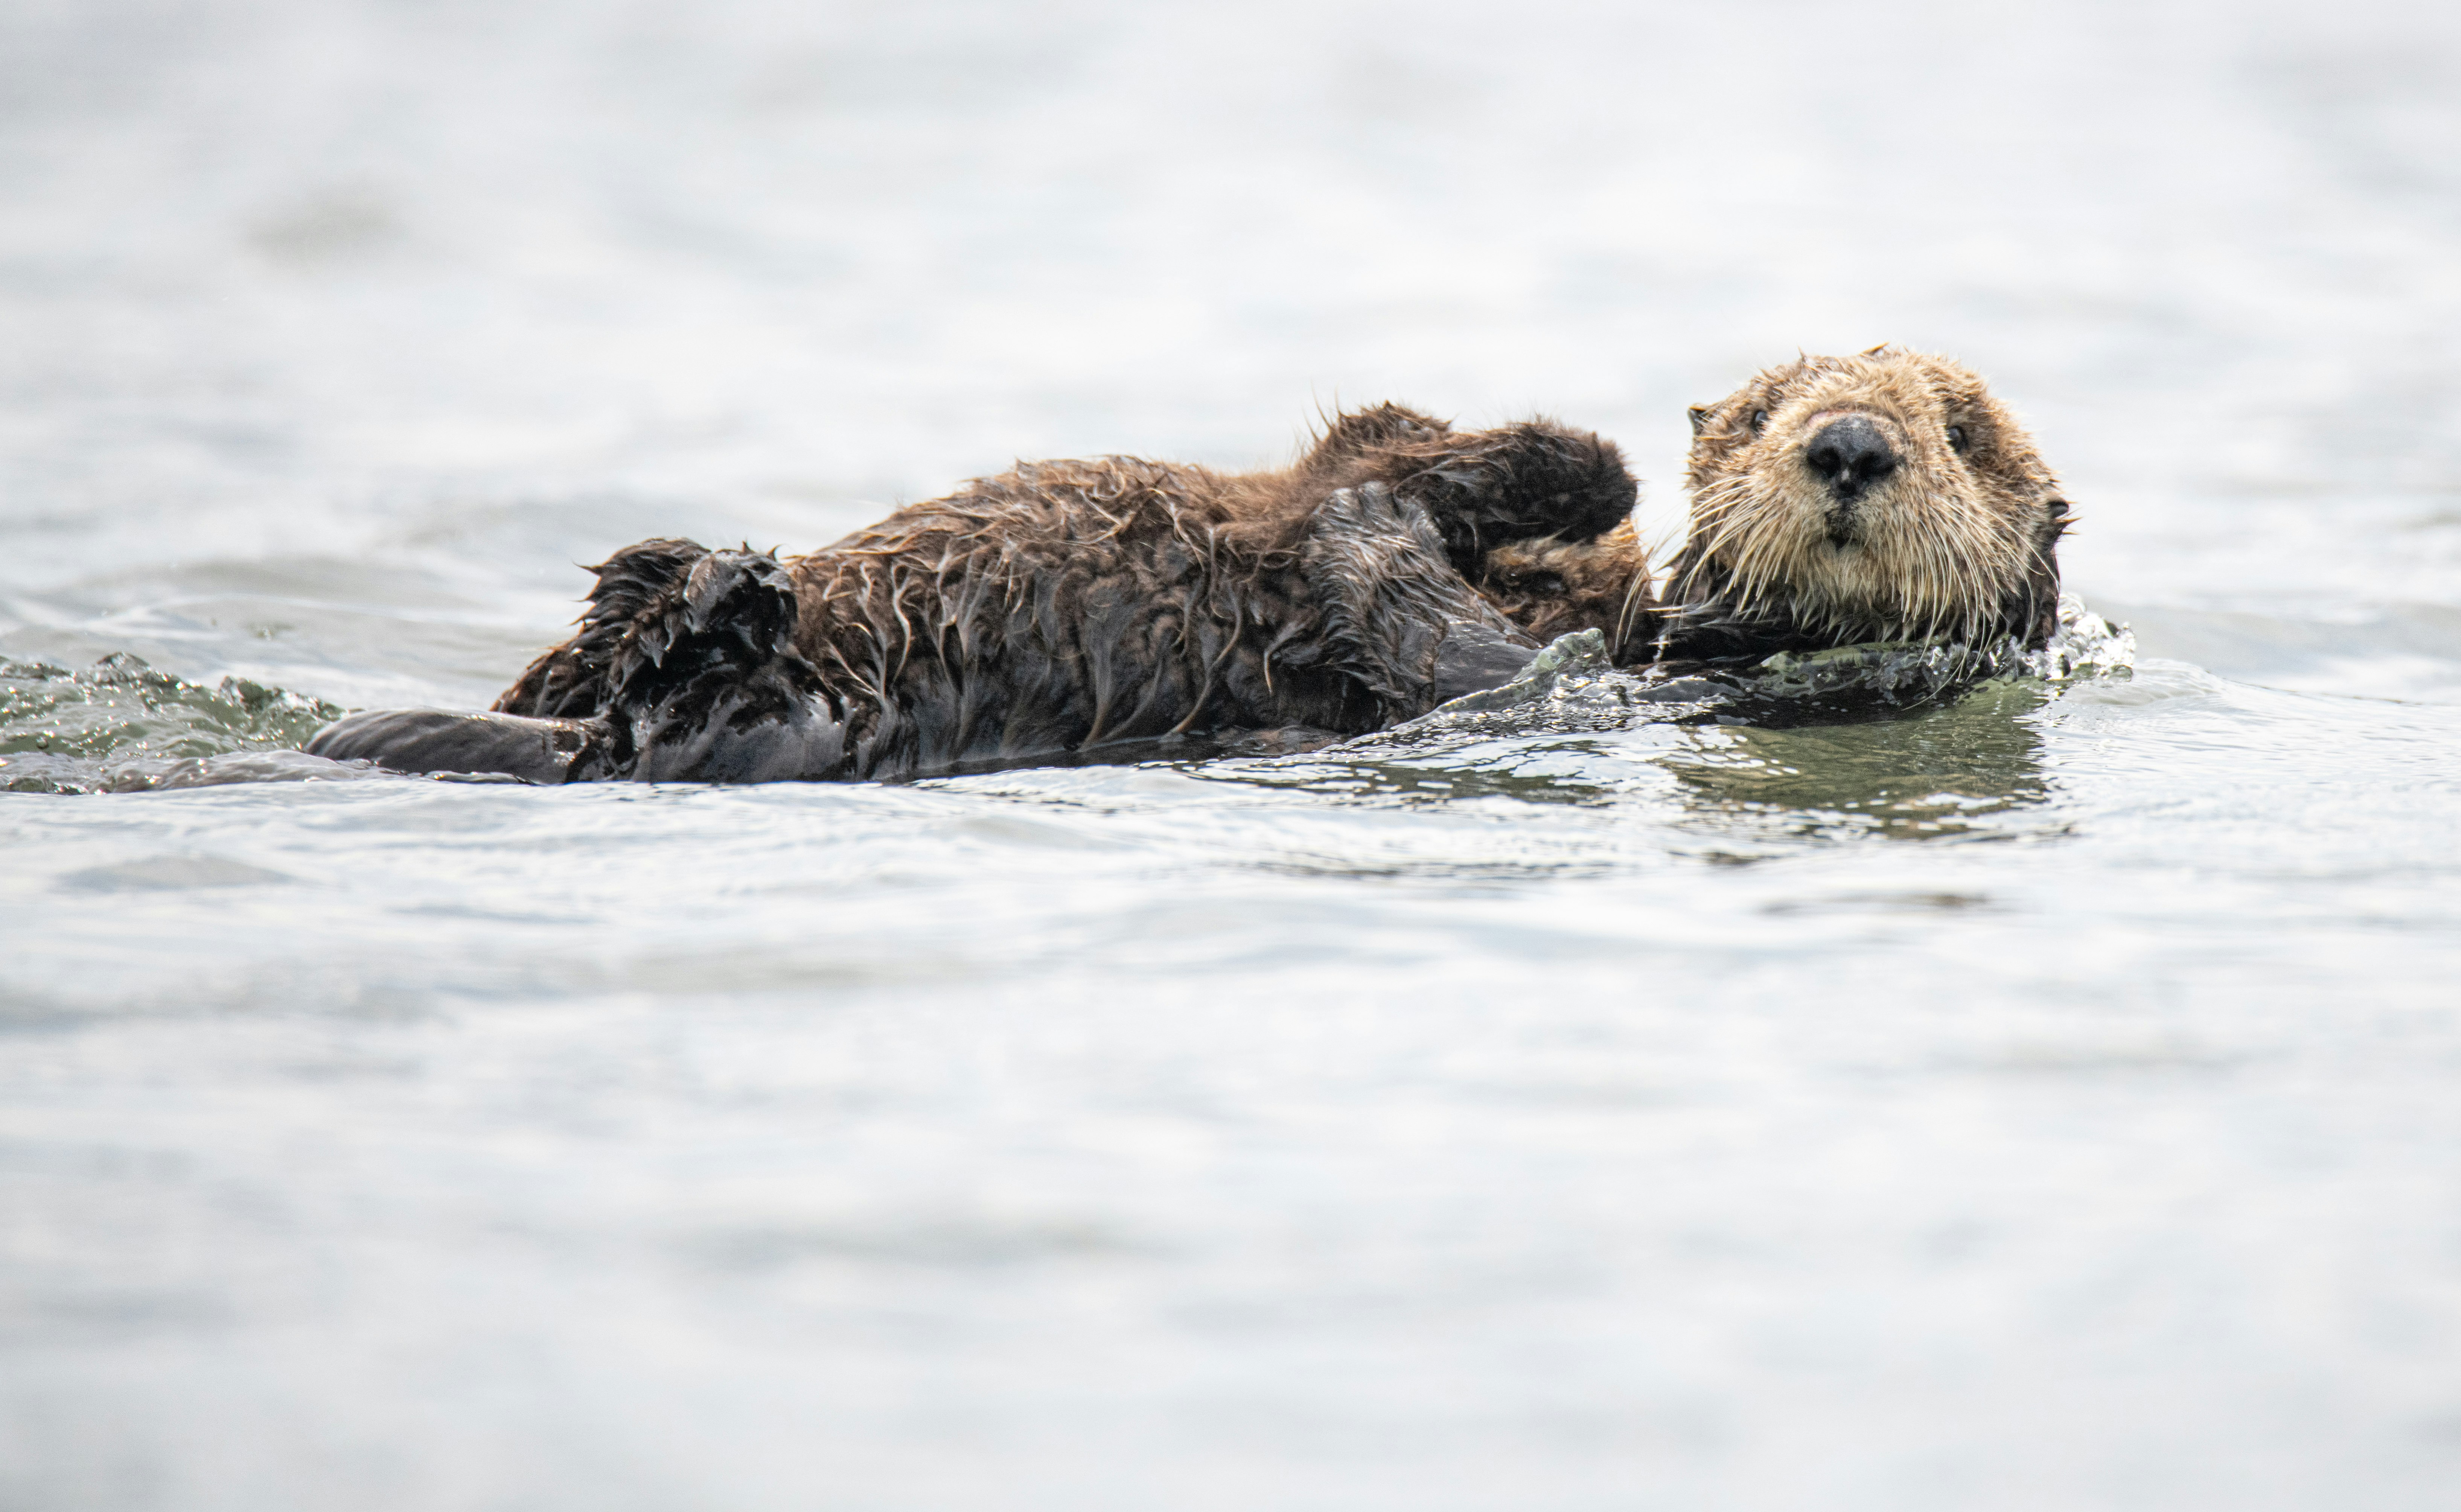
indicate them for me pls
(122, 726)
(1571, 685)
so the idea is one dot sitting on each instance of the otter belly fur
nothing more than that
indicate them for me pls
(1057, 607)
(1884, 496)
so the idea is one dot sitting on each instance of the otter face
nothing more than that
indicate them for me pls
(1880, 497)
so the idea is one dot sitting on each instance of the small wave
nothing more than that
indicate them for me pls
(1906, 673)
(122, 726)
(1571, 686)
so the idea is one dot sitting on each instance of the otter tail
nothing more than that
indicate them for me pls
(431, 740)
(685, 670)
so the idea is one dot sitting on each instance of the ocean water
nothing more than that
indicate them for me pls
(2047, 1100)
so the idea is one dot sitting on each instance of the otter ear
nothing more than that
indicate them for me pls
(1698, 414)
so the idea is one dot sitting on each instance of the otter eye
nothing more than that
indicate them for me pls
(1956, 438)
(1760, 421)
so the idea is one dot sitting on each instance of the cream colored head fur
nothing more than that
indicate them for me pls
(1880, 497)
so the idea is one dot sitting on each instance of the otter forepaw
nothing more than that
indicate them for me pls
(1535, 478)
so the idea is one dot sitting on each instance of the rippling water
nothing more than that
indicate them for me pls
(2047, 1098)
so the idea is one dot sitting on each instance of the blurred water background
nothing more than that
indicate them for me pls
(2052, 1101)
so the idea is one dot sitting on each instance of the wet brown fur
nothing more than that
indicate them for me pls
(1067, 605)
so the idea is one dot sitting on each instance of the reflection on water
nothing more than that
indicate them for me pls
(1552, 772)
(1937, 773)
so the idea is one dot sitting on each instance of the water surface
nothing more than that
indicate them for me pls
(2046, 1100)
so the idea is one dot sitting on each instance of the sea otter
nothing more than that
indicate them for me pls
(1060, 607)
(1886, 495)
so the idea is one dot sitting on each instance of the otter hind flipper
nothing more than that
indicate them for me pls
(688, 655)
(573, 679)
(709, 686)
(433, 741)
(685, 670)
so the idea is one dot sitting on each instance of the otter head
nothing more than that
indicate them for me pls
(1880, 497)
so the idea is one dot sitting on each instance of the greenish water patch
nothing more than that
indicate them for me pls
(79, 731)
(1945, 772)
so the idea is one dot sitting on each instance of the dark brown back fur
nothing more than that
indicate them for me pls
(1073, 603)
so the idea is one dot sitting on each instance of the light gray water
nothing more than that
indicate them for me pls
(2051, 1100)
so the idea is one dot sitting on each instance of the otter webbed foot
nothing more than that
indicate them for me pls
(687, 661)
(685, 670)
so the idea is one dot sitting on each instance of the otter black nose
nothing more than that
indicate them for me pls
(1850, 456)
